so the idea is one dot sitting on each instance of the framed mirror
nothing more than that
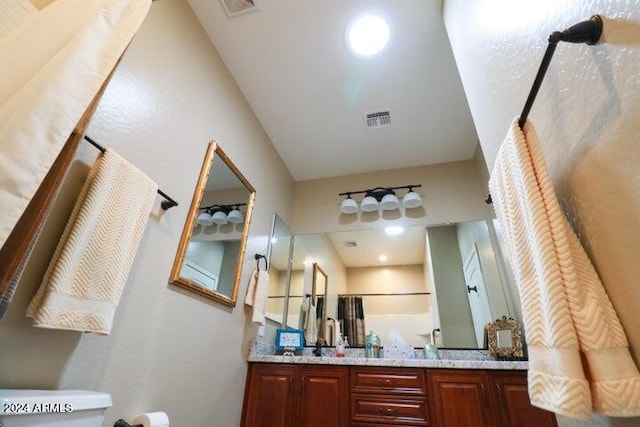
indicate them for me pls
(504, 339)
(212, 247)
(319, 292)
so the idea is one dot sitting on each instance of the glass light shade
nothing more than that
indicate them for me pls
(369, 204)
(219, 218)
(235, 216)
(368, 35)
(349, 206)
(411, 200)
(204, 219)
(389, 202)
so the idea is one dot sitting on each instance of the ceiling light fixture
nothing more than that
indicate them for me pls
(382, 258)
(368, 35)
(385, 198)
(220, 214)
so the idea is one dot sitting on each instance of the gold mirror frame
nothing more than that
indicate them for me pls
(504, 351)
(212, 150)
(318, 275)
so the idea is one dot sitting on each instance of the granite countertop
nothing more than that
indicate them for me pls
(449, 359)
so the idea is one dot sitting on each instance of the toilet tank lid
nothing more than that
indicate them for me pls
(47, 401)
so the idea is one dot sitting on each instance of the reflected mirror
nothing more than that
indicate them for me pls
(278, 255)
(319, 291)
(504, 339)
(445, 279)
(211, 251)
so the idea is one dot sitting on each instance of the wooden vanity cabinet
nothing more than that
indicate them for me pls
(280, 395)
(460, 398)
(388, 396)
(299, 395)
(512, 397)
(475, 398)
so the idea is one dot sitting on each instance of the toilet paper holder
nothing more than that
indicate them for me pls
(123, 423)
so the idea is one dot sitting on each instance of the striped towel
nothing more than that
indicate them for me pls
(579, 356)
(83, 284)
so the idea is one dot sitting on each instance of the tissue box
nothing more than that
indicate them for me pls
(398, 352)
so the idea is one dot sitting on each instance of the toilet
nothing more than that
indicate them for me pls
(52, 408)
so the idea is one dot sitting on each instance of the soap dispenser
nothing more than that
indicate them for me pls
(340, 347)
(372, 345)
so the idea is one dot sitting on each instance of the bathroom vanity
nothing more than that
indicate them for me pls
(360, 392)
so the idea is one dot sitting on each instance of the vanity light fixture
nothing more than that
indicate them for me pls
(384, 197)
(220, 214)
(204, 219)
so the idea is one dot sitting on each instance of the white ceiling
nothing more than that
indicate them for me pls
(310, 93)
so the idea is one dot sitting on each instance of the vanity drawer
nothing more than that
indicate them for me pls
(388, 380)
(389, 410)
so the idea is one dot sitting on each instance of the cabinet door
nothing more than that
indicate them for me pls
(515, 409)
(460, 398)
(323, 397)
(270, 397)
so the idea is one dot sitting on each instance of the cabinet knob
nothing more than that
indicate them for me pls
(387, 411)
(386, 382)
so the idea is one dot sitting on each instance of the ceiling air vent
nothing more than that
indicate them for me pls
(237, 7)
(378, 120)
(350, 243)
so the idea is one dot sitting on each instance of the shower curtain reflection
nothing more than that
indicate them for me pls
(351, 318)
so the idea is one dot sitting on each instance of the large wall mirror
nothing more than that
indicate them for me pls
(211, 251)
(445, 278)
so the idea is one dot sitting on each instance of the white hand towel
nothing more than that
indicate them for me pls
(84, 281)
(579, 359)
(304, 310)
(257, 293)
(310, 325)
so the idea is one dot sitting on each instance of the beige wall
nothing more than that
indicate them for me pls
(169, 350)
(452, 192)
(318, 248)
(586, 115)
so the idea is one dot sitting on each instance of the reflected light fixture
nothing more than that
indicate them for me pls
(382, 258)
(220, 214)
(380, 197)
(204, 219)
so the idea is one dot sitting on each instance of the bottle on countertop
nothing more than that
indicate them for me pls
(340, 347)
(431, 350)
(372, 345)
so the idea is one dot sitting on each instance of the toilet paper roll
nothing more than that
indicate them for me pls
(152, 419)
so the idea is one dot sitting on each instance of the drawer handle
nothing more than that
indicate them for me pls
(387, 411)
(386, 382)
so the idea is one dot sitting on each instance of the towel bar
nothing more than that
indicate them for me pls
(168, 203)
(588, 32)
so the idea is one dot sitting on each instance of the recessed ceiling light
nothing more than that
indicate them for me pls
(382, 258)
(368, 35)
(393, 230)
